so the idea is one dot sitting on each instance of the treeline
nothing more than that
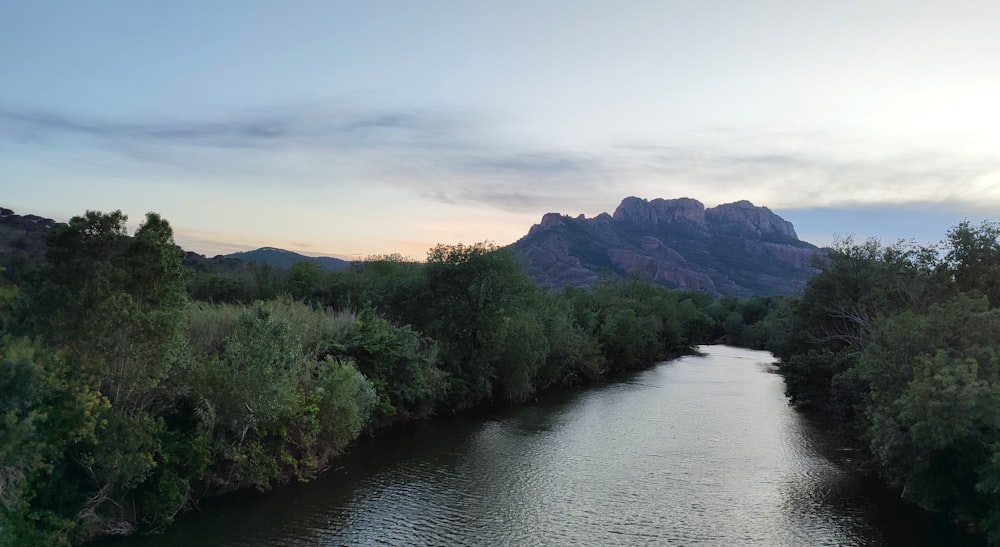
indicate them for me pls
(902, 344)
(132, 387)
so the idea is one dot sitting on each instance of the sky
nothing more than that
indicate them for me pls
(360, 128)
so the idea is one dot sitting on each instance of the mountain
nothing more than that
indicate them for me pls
(22, 240)
(280, 258)
(735, 249)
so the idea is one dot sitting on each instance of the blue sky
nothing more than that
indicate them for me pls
(357, 128)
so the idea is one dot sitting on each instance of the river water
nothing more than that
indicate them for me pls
(702, 450)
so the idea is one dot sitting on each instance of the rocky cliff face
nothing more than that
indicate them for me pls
(744, 218)
(734, 249)
(658, 213)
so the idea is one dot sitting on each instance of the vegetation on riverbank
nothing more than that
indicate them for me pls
(133, 386)
(902, 344)
(125, 399)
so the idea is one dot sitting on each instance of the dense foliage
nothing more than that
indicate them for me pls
(902, 343)
(132, 385)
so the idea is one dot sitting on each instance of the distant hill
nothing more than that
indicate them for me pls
(22, 240)
(282, 259)
(735, 249)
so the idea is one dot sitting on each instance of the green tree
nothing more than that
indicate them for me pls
(346, 401)
(974, 258)
(637, 323)
(304, 279)
(857, 285)
(273, 408)
(573, 354)
(522, 349)
(248, 395)
(930, 416)
(401, 364)
(44, 412)
(115, 306)
(471, 290)
(906, 343)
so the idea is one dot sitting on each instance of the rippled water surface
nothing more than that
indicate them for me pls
(703, 450)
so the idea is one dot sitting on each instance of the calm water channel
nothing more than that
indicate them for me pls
(703, 450)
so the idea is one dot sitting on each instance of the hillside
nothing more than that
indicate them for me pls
(735, 249)
(22, 241)
(282, 259)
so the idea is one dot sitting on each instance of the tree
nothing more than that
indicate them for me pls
(116, 303)
(930, 416)
(44, 412)
(401, 364)
(573, 354)
(272, 408)
(304, 278)
(115, 306)
(835, 319)
(974, 259)
(248, 395)
(472, 294)
(858, 283)
(522, 349)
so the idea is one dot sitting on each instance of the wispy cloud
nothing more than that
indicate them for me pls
(822, 170)
(461, 158)
(254, 130)
(440, 156)
(37, 127)
(509, 201)
(536, 164)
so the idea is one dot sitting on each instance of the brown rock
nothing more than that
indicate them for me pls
(660, 212)
(734, 249)
(750, 219)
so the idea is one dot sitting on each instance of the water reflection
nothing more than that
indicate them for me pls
(699, 451)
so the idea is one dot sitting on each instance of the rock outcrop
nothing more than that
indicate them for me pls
(744, 218)
(661, 212)
(734, 249)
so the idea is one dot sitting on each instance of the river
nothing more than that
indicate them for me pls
(702, 450)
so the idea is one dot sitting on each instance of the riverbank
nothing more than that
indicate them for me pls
(702, 449)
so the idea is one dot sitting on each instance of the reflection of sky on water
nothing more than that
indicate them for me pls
(702, 450)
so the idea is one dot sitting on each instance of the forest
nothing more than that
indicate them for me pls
(134, 386)
(900, 344)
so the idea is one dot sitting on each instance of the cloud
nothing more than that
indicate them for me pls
(508, 201)
(253, 130)
(441, 156)
(516, 181)
(463, 158)
(821, 171)
(535, 164)
(40, 126)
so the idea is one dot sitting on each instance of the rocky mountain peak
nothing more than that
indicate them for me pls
(549, 220)
(660, 212)
(746, 218)
(735, 249)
